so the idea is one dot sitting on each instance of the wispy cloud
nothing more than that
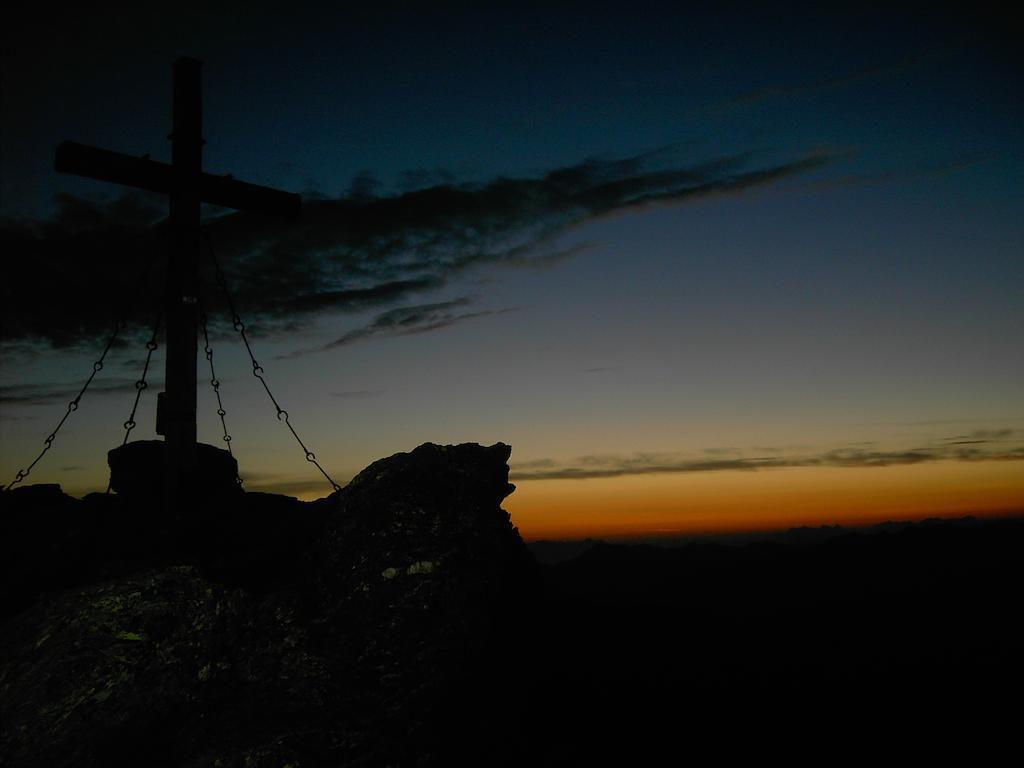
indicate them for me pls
(346, 254)
(950, 422)
(620, 466)
(6, 415)
(421, 318)
(900, 176)
(985, 435)
(45, 394)
(407, 321)
(780, 91)
(593, 467)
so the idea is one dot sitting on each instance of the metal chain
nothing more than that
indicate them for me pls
(215, 382)
(72, 406)
(141, 384)
(257, 369)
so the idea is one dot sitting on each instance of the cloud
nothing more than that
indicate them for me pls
(948, 422)
(8, 416)
(980, 437)
(45, 394)
(406, 321)
(900, 176)
(594, 467)
(590, 469)
(729, 451)
(419, 318)
(68, 276)
(68, 279)
(823, 84)
(991, 434)
(854, 457)
(534, 464)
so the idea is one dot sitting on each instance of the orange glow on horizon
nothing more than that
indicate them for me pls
(769, 499)
(687, 503)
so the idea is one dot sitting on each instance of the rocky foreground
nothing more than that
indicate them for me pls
(381, 625)
(402, 622)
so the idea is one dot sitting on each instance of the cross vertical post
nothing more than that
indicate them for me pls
(182, 286)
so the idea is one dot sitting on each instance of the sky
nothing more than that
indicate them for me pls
(705, 270)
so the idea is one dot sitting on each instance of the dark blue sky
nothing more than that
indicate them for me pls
(314, 97)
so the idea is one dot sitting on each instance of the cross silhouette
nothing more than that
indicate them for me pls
(188, 187)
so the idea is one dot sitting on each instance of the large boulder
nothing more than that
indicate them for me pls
(421, 564)
(398, 639)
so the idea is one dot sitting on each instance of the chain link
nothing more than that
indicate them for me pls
(72, 406)
(257, 369)
(140, 385)
(215, 382)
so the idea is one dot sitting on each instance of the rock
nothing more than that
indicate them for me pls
(396, 637)
(40, 542)
(137, 470)
(36, 497)
(420, 560)
(257, 541)
(118, 669)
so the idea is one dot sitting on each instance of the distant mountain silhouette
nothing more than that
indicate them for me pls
(900, 636)
(553, 551)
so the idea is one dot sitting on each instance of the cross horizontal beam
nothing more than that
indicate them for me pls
(143, 173)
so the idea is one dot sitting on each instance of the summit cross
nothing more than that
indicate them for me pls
(187, 186)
